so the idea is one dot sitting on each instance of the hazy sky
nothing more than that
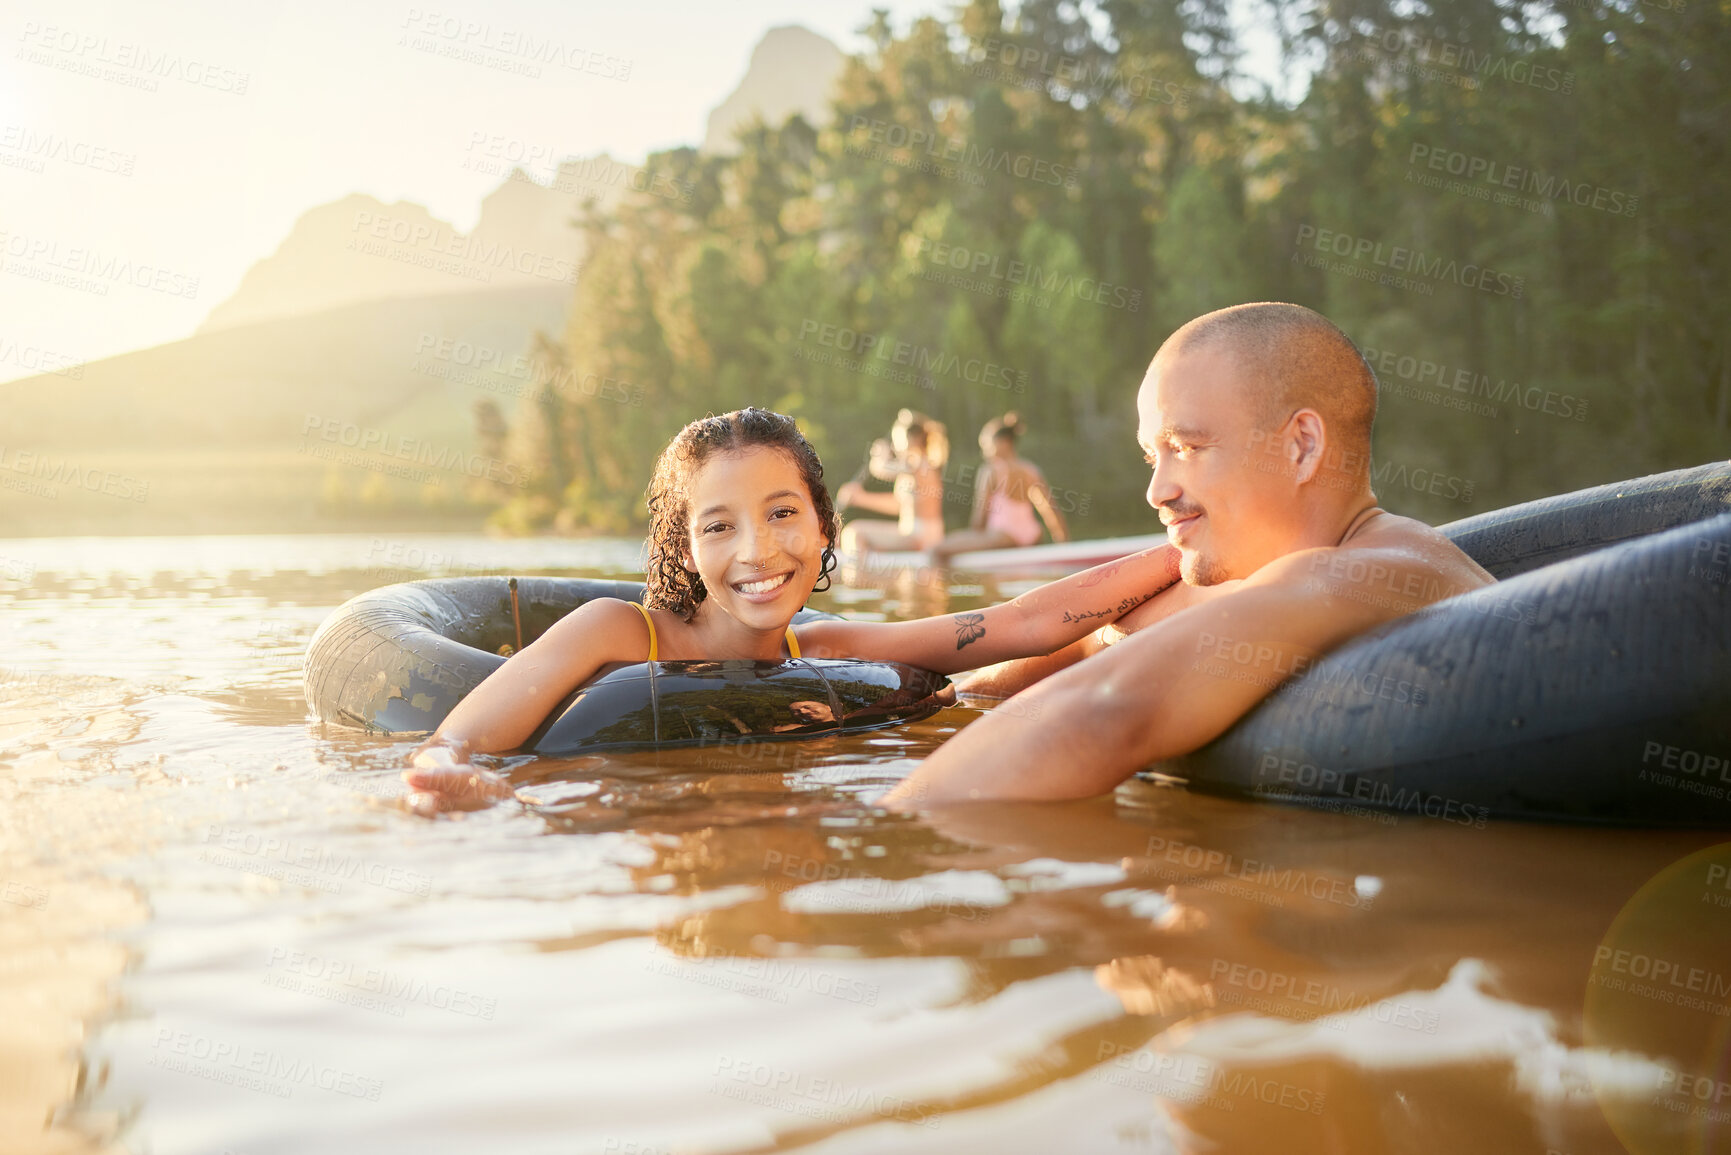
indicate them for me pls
(186, 138)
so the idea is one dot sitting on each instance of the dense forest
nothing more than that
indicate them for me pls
(1517, 210)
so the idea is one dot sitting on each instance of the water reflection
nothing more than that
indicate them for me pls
(729, 948)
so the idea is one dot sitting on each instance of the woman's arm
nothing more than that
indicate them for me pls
(862, 498)
(985, 481)
(504, 710)
(1037, 622)
(1040, 496)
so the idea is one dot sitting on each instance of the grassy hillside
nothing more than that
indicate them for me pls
(343, 419)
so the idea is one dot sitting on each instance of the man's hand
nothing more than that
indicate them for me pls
(443, 780)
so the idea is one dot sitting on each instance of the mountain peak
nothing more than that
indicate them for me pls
(792, 69)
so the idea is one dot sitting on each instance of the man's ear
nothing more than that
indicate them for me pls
(1308, 444)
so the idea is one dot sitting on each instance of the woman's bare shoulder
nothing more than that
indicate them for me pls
(610, 628)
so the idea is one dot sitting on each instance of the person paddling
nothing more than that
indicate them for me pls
(1007, 492)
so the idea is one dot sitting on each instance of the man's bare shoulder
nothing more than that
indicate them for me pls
(1397, 563)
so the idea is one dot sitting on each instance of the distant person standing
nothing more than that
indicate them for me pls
(1007, 492)
(913, 458)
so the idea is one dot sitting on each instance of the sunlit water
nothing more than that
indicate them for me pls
(733, 951)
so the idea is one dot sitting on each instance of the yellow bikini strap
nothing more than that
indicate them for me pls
(650, 622)
(792, 642)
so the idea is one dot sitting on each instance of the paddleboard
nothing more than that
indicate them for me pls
(1055, 557)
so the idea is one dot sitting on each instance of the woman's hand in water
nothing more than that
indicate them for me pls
(442, 779)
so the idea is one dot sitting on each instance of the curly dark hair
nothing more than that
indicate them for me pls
(670, 585)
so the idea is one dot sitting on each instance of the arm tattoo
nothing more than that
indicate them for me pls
(969, 628)
(1105, 572)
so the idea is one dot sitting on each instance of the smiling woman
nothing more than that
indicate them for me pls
(741, 530)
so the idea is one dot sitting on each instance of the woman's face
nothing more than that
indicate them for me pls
(755, 536)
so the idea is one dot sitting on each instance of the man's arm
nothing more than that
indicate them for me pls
(1162, 692)
(1002, 679)
(1012, 677)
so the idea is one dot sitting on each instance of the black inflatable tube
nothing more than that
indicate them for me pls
(1594, 691)
(1523, 537)
(398, 659)
(1595, 688)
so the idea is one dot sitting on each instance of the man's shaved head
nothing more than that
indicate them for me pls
(1257, 421)
(1289, 358)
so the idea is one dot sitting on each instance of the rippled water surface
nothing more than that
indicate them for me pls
(688, 952)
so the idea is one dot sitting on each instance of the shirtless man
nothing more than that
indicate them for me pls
(1256, 420)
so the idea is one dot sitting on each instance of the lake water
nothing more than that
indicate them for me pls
(221, 933)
